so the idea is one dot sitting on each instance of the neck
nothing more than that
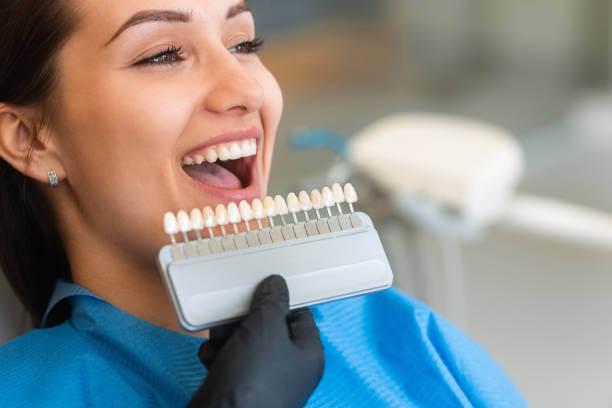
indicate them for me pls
(132, 285)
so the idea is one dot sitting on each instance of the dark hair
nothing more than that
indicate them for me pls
(32, 255)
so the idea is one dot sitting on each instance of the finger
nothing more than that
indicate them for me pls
(306, 336)
(207, 353)
(269, 310)
(220, 334)
(302, 326)
(272, 294)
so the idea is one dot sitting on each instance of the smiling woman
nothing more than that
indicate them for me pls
(138, 91)
(113, 113)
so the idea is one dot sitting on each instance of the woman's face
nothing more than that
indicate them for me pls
(178, 82)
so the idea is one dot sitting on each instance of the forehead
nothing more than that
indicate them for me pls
(105, 17)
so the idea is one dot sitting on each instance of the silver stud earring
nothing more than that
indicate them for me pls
(53, 179)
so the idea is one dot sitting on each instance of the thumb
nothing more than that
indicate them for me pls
(272, 293)
(269, 309)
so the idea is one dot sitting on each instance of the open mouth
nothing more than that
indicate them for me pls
(227, 166)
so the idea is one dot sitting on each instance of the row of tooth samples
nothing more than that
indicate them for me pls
(270, 208)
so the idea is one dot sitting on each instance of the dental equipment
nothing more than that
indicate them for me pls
(323, 257)
(436, 164)
(456, 177)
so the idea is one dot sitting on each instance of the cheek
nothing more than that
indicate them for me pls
(120, 144)
(271, 112)
(125, 141)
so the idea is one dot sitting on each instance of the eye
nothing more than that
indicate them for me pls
(247, 47)
(169, 56)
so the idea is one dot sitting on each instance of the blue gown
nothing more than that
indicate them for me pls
(381, 350)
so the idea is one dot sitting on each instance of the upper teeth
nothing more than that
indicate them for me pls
(223, 152)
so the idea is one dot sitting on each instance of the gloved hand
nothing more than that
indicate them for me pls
(273, 358)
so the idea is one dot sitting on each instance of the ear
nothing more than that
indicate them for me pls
(30, 153)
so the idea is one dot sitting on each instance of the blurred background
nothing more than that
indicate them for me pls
(540, 69)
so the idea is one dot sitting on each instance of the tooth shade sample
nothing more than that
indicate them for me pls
(281, 205)
(224, 153)
(305, 203)
(338, 193)
(269, 207)
(328, 197)
(221, 215)
(350, 193)
(258, 209)
(197, 220)
(293, 203)
(246, 211)
(235, 151)
(234, 213)
(210, 219)
(211, 155)
(188, 161)
(170, 224)
(316, 199)
(184, 222)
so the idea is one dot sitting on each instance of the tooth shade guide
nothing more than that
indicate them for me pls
(195, 280)
(258, 217)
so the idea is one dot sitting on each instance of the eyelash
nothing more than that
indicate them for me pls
(246, 47)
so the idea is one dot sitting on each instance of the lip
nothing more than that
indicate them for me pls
(224, 195)
(228, 137)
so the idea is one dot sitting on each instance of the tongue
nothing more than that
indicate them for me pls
(214, 175)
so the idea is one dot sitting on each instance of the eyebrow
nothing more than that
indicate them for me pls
(171, 16)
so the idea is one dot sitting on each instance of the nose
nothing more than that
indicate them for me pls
(235, 89)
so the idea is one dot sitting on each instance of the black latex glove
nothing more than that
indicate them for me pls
(272, 359)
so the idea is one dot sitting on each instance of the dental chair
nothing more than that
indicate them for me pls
(14, 320)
